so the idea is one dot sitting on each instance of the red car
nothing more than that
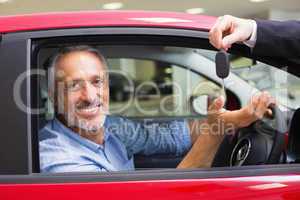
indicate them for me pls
(159, 47)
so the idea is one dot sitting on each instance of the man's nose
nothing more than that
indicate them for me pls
(89, 92)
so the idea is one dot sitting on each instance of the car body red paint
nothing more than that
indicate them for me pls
(260, 187)
(104, 19)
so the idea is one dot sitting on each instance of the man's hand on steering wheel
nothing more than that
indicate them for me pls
(255, 140)
(219, 122)
(256, 109)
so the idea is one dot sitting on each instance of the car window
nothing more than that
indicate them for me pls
(281, 84)
(160, 81)
(149, 88)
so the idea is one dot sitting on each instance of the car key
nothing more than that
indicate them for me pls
(222, 67)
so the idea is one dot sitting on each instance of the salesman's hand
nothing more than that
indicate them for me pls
(228, 30)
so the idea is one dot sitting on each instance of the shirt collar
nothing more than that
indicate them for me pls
(75, 136)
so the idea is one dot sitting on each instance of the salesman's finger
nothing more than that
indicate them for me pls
(222, 25)
(230, 39)
(215, 36)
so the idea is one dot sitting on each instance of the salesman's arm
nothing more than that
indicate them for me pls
(265, 37)
(279, 39)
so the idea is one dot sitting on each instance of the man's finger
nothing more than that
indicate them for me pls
(263, 104)
(217, 105)
(253, 104)
(269, 113)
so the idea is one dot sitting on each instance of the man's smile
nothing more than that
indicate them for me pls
(89, 111)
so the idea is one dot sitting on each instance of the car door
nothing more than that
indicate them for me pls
(19, 158)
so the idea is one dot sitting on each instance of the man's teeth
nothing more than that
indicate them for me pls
(89, 110)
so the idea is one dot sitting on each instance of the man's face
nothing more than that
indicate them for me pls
(82, 94)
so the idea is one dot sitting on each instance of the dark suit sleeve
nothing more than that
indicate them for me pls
(277, 39)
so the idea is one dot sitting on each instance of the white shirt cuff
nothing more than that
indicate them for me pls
(251, 42)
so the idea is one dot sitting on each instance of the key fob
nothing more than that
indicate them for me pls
(222, 64)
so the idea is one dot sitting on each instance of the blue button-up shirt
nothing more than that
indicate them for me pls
(62, 150)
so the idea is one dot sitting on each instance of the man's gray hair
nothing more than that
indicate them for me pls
(51, 63)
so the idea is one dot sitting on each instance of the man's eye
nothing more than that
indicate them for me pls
(98, 82)
(73, 85)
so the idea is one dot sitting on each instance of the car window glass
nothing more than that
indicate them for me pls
(143, 88)
(281, 84)
(156, 85)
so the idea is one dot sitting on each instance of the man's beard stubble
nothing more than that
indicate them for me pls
(83, 126)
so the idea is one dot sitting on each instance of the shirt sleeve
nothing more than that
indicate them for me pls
(252, 41)
(147, 137)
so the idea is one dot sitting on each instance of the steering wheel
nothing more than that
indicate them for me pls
(262, 142)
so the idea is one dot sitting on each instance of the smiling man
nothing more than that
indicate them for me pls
(85, 138)
(81, 90)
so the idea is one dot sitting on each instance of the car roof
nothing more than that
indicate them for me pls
(62, 20)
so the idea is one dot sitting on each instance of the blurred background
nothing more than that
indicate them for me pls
(264, 9)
